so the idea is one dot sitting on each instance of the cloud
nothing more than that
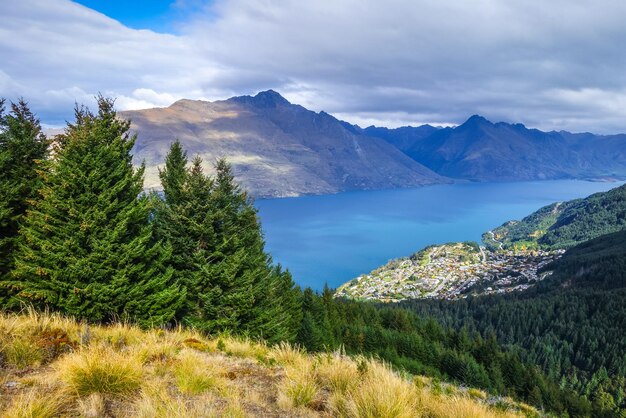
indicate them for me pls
(555, 65)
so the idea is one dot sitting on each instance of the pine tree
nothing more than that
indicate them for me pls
(87, 244)
(23, 147)
(174, 175)
(219, 253)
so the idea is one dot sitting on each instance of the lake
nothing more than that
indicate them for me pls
(334, 238)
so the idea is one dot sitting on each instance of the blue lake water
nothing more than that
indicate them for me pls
(334, 238)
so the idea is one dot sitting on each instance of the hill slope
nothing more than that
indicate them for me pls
(570, 324)
(563, 225)
(276, 148)
(53, 366)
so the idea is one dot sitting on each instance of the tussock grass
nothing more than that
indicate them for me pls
(35, 403)
(22, 353)
(244, 348)
(383, 394)
(61, 367)
(336, 373)
(93, 406)
(299, 388)
(437, 407)
(156, 402)
(196, 373)
(100, 369)
(477, 393)
(286, 354)
(119, 335)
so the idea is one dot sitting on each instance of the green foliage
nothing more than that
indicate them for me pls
(570, 325)
(86, 245)
(23, 148)
(564, 225)
(219, 253)
(420, 345)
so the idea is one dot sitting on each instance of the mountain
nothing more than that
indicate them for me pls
(402, 138)
(484, 151)
(564, 224)
(276, 148)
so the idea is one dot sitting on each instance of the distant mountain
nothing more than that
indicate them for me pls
(484, 151)
(563, 225)
(404, 138)
(276, 148)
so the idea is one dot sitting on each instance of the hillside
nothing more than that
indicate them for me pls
(53, 366)
(571, 324)
(484, 151)
(275, 148)
(565, 224)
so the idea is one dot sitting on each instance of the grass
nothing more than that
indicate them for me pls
(382, 394)
(34, 404)
(54, 366)
(196, 373)
(101, 369)
(21, 353)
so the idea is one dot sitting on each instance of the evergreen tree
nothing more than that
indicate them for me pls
(174, 175)
(219, 253)
(23, 147)
(87, 245)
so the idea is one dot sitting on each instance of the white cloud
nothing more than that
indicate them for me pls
(555, 65)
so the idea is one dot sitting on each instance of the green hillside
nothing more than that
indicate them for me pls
(571, 325)
(563, 225)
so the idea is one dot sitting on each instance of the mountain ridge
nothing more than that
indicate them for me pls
(481, 150)
(276, 148)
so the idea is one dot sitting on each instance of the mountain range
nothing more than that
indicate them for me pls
(280, 149)
(276, 148)
(480, 150)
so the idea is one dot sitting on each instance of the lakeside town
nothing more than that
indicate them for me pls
(451, 271)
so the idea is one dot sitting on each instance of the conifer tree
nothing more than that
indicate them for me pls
(174, 175)
(23, 147)
(87, 245)
(219, 253)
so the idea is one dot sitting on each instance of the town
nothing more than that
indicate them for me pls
(451, 271)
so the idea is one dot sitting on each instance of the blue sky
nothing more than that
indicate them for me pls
(157, 15)
(550, 65)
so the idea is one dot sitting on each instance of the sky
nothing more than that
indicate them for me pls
(550, 65)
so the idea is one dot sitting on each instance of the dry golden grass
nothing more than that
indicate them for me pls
(55, 366)
(382, 393)
(336, 373)
(35, 403)
(197, 373)
(100, 369)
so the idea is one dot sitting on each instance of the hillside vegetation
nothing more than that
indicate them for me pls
(571, 324)
(563, 225)
(54, 366)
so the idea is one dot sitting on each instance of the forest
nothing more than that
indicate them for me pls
(79, 235)
(571, 324)
(564, 224)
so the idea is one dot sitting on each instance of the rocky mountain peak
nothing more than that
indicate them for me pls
(264, 99)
